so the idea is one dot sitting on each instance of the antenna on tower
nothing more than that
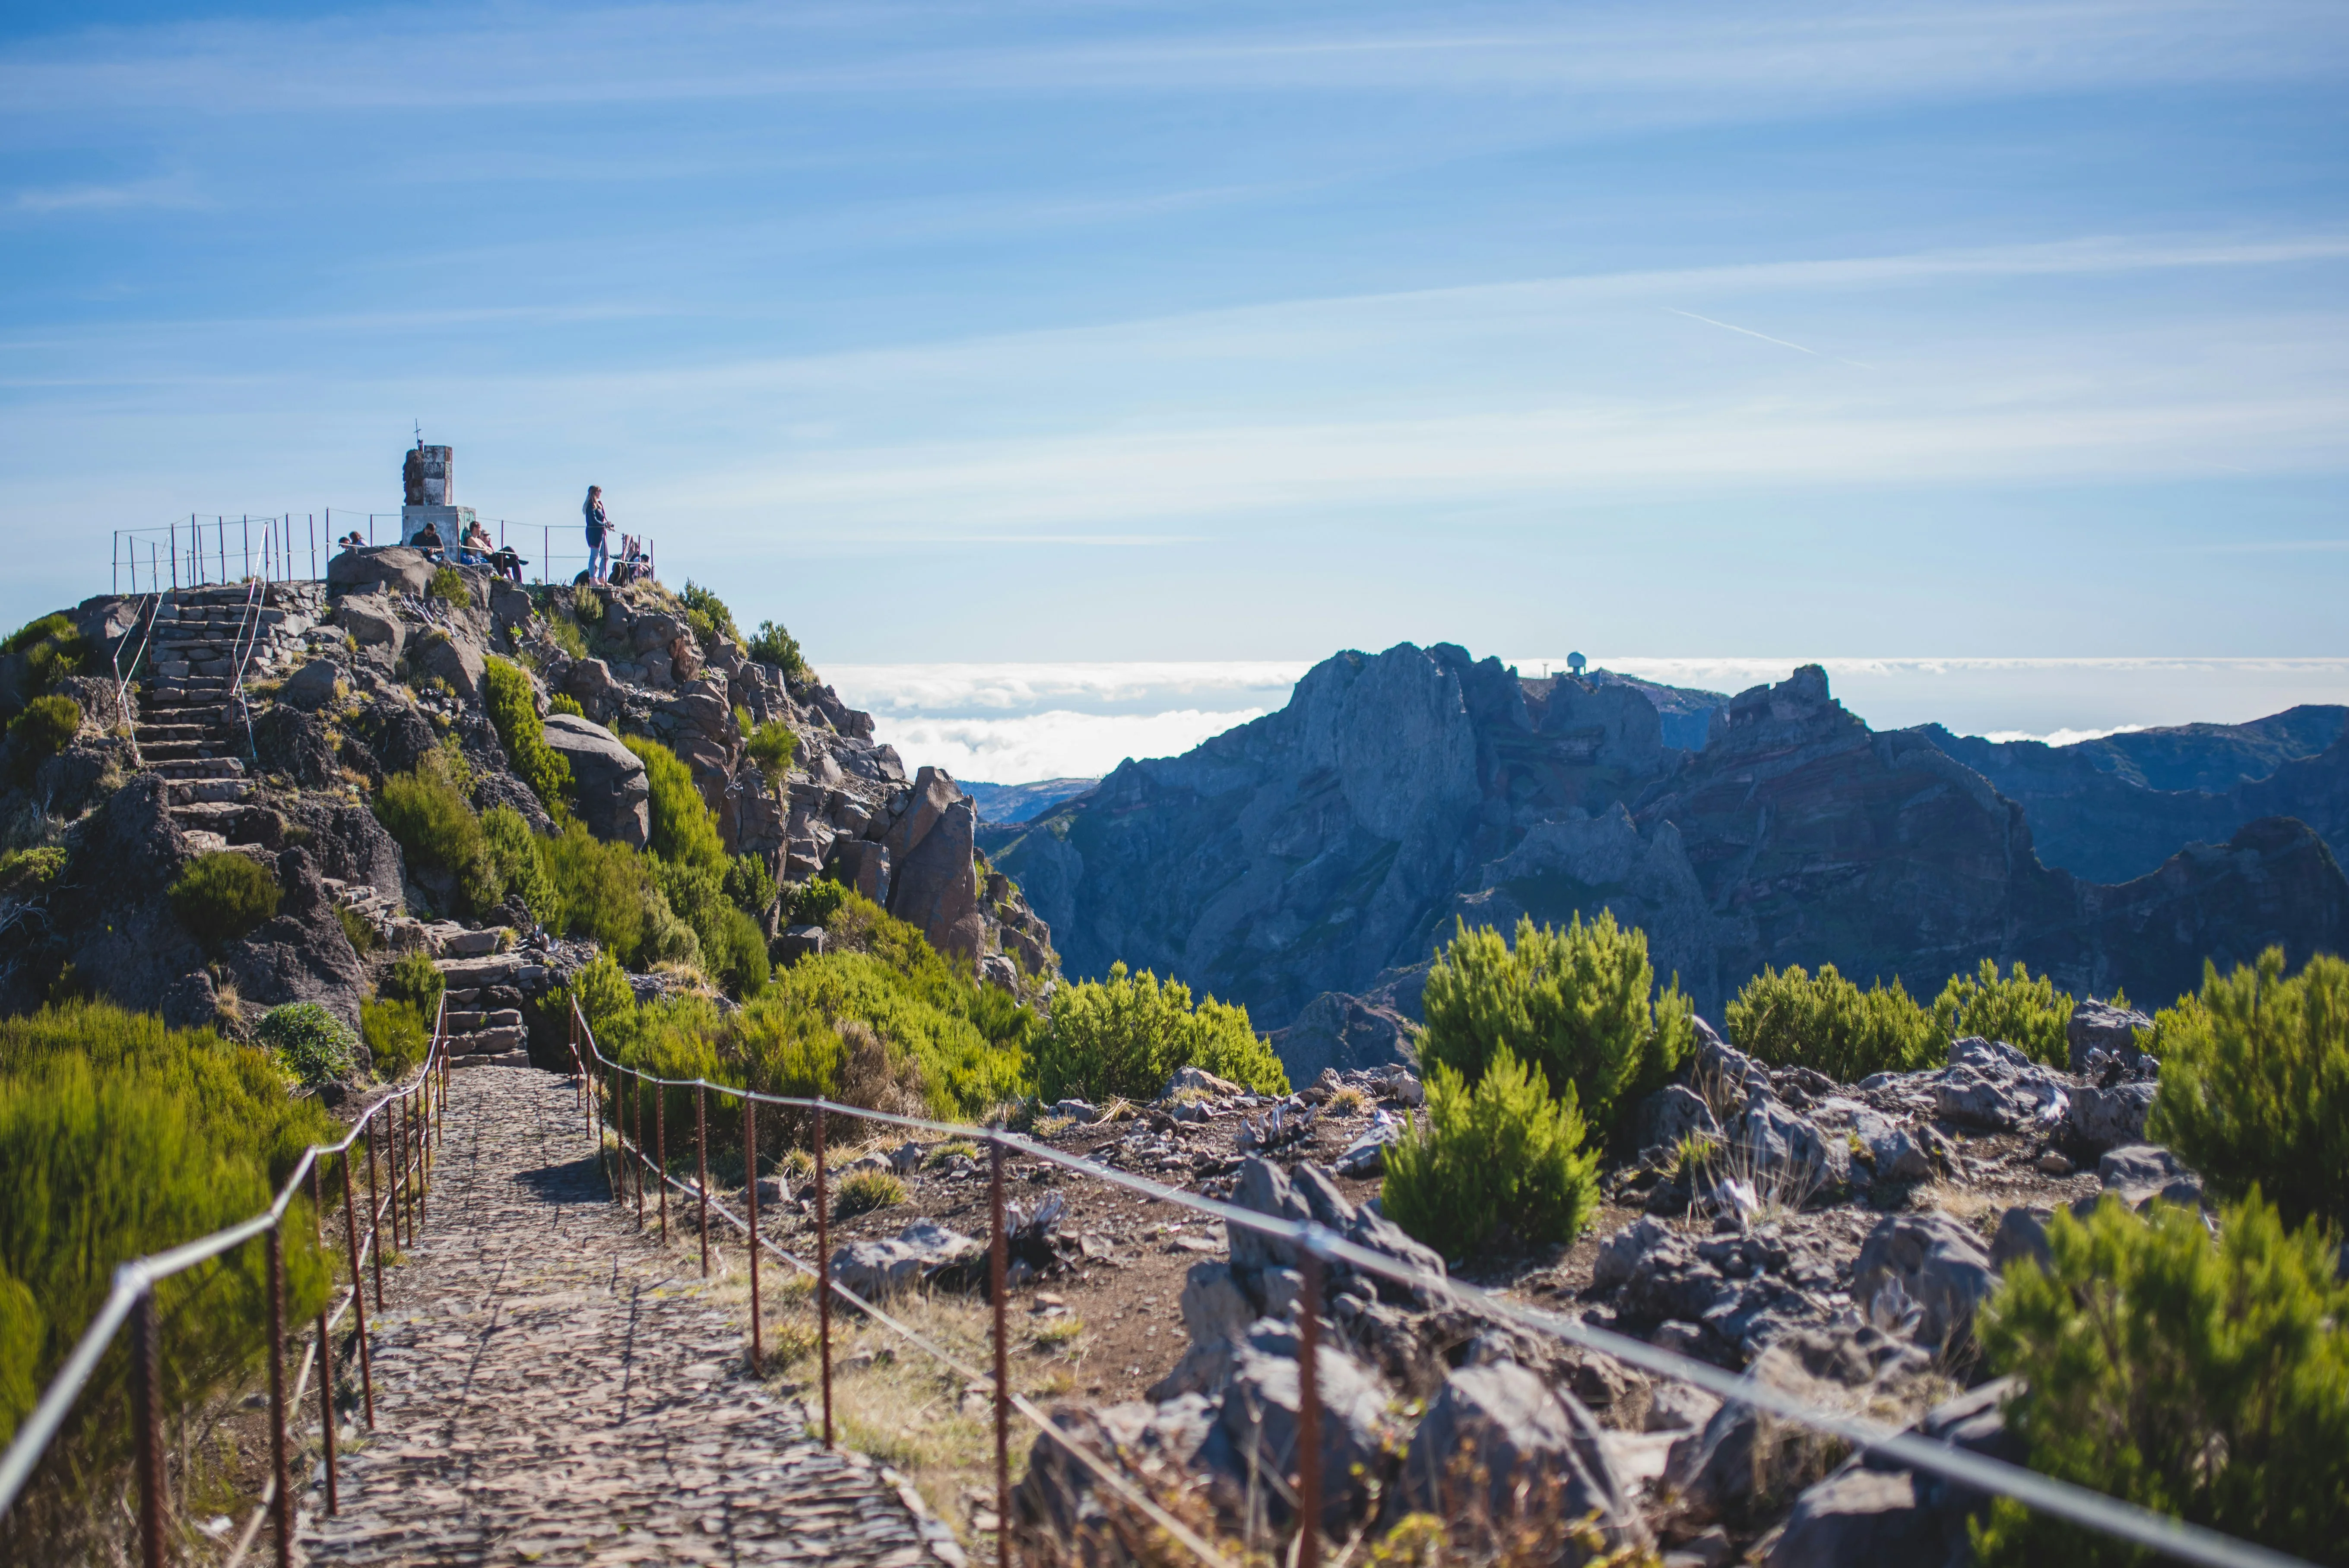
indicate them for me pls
(419, 435)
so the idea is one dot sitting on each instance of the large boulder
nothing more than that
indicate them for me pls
(882, 1268)
(2100, 1027)
(1501, 1431)
(2108, 1117)
(614, 798)
(455, 658)
(372, 626)
(302, 954)
(392, 566)
(312, 686)
(1938, 1263)
(1260, 1421)
(934, 887)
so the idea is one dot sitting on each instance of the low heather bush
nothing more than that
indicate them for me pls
(513, 704)
(1500, 1152)
(2030, 1015)
(314, 1045)
(1127, 1034)
(1826, 1023)
(41, 731)
(2207, 1380)
(2255, 1083)
(223, 895)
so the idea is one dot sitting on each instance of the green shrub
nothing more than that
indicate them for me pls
(1579, 1003)
(449, 584)
(774, 645)
(1502, 1152)
(563, 702)
(119, 1137)
(1129, 1034)
(751, 883)
(53, 650)
(223, 895)
(706, 613)
(396, 1035)
(1828, 1024)
(772, 745)
(865, 1192)
(512, 858)
(601, 889)
(41, 731)
(314, 1045)
(2206, 1381)
(2255, 1083)
(684, 828)
(564, 634)
(414, 979)
(428, 812)
(355, 927)
(733, 949)
(23, 872)
(813, 902)
(512, 703)
(2030, 1015)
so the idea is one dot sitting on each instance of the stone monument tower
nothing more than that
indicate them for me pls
(427, 486)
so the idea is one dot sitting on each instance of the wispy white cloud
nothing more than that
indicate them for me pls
(934, 690)
(1052, 745)
(2060, 736)
(45, 200)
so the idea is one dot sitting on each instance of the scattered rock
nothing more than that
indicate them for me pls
(1938, 1261)
(2100, 1027)
(312, 686)
(2103, 1117)
(1501, 1431)
(876, 1269)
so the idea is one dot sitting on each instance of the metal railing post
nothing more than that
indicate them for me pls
(660, 1156)
(282, 1505)
(326, 1339)
(637, 1155)
(147, 1416)
(751, 1206)
(701, 1166)
(998, 1270)
(1309, 1419)
(393, 1168)
(375, 1224)
(824, 1272)
(358, 1293)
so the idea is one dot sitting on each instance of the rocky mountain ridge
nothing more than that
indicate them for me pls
(1330, 848)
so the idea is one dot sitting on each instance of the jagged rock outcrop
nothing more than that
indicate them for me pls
(614, 798)
(1318, 848)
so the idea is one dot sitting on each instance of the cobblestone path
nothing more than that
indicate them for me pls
(549, 1388)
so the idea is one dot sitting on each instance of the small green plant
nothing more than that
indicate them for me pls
(2030, 1015)
(2255, 1083)
(1127, 1034)
(1826, 1023)
(733, 949)
(564, 634)
(772, 745)
(355, 927)
(953, 1148)
(706, 613)
(2208, 1381)
(396, 1035)
(512, 855)
(417, 980)
(865, 1192)
(1579, 1003)
(221, 896)
(1057, 1333)
(563, 702)
(52, 650)
(21, 871)
(814, 902)
(314, 1045)
(449, 584)
(1501, 1151)
(751, 883)
(684, 828)
(513, 704)
(428, 812)
(774, 645)
(44, 729)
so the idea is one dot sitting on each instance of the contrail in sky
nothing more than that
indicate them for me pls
(1764, 336)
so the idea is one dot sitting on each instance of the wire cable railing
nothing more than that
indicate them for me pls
(204, 550)
(412, 1115)
(1317, 1246)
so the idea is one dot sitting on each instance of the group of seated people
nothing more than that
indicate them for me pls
(474, 549)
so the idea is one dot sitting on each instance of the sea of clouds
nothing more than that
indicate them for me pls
(1013, 723)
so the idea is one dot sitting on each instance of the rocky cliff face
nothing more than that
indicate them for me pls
(1330, 848)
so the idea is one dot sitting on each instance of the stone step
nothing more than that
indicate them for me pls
(470, 1022)
(505, 969)
(482, 1042)
(207, 816)
(199, 767)
(167, 734)
(192, 791)
(502, 1059)
(183, 750)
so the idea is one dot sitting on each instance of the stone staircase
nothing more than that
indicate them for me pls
(191, 728)
(484, 1016)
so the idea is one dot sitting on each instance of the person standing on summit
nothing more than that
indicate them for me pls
(599, 558)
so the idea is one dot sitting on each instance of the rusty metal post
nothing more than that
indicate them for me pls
(358, 1294)
(701, 1166)
(823, 1272)
(146, 1416)
(282, 1505)
(1309, 1419)
(998, 1271)
(326, 1341)
(660, 1156)
(395, 1167)
(637, 1158)
(751, 1207)
(374, 1228)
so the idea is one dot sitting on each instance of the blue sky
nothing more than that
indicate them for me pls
(1131, 332)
